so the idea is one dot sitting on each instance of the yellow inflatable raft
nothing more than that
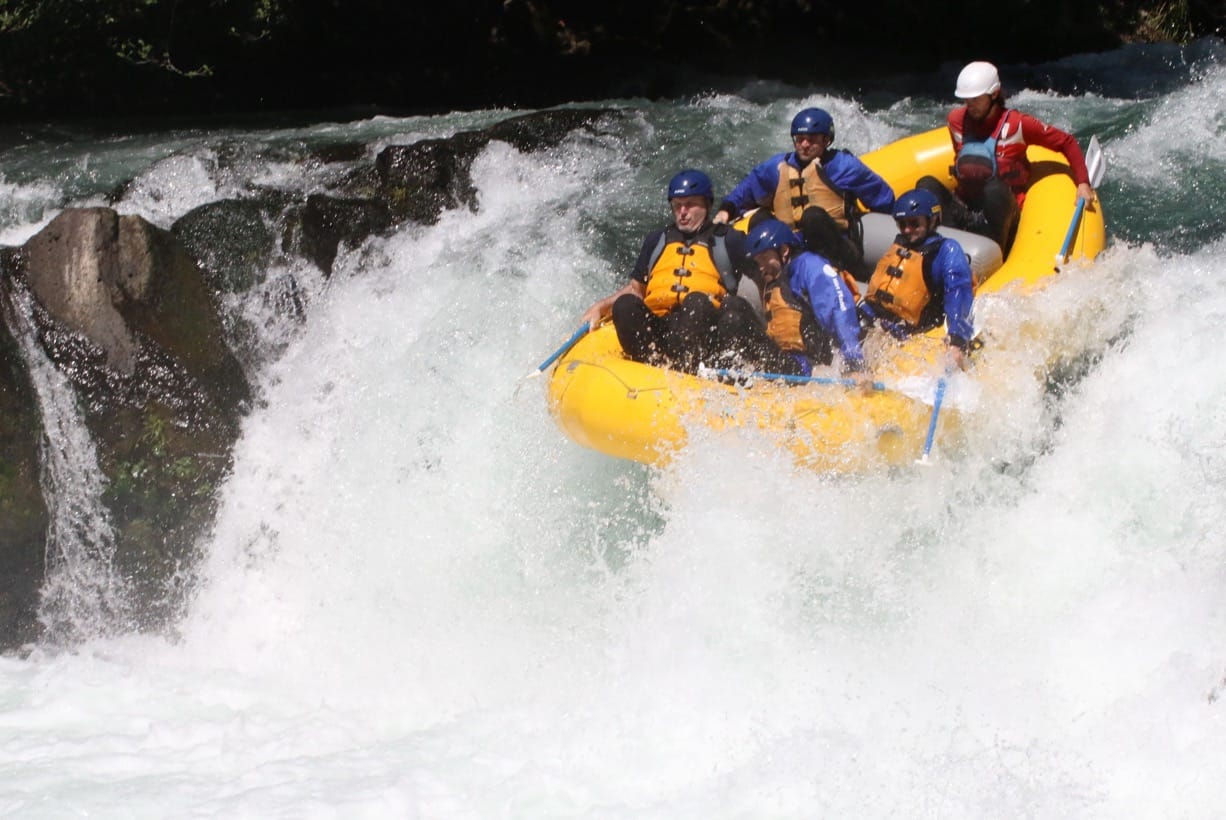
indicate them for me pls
(623, 408)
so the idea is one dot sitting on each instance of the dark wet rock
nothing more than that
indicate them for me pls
(327, 221)
(421, 180)
(337, 152)
(124, 312)
(232, 240)
(360, 182)
(545, 129)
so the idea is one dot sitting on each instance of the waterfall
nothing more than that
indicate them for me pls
(82, 594)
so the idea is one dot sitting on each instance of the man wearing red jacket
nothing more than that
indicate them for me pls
(990, 165)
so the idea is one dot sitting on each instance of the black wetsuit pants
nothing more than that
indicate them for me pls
(993, 214)
(683, 338)
(746, 346)
(697, 332)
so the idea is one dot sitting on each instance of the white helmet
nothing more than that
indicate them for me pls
(975, 79)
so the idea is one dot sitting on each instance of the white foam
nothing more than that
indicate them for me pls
(421, 600)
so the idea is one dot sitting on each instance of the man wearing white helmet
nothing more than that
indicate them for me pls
(990, 165)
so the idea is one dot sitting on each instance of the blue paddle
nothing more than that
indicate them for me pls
(557, 354)
(1096, 164)
(932, 422)
(783, 377)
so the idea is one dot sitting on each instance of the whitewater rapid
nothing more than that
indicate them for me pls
(421, 600)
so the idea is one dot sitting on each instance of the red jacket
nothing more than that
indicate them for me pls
(1018, 131)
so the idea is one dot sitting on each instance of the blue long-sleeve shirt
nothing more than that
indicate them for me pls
(812, 278)
(952, 270)
(845, 170)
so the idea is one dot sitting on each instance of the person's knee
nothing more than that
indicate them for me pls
(737, 308)
(633, 322)
(627, 307)
(935, 187)
(1001, 211)
(998, 198)
(697, 309)
(816, 221)
(821, 233)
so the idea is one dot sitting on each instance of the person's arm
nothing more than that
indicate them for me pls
(637, 285)
(756, 190)
(954, 270)
(1037, 132)
(954, 123)
(833, 306)
(850, 173)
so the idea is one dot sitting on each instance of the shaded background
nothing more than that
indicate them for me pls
(63, 57)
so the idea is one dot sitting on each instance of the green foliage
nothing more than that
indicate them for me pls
(18, 15)
(156, 475)
(140, 52)
(1168, 21)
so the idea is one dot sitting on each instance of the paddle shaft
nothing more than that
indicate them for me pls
(1096, 164)
(1072, 231)
(557, 354)
(932, 422)
(784, 377)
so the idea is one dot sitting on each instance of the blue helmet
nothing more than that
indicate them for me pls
(771, 234)
(690, 183)
(919, 202)
(813, 121)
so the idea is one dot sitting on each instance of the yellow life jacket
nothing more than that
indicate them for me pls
(811, 187)
(783, 318)
(899, 285)
(786, 315)
(681, 266)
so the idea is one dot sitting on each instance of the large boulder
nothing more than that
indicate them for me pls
(539, 130)
(328, 221)
(232, 241)
(123, 311)
(421, 180)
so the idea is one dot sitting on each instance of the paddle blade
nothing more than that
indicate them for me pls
(1096, 162)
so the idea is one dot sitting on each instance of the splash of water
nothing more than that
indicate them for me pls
(83, 596)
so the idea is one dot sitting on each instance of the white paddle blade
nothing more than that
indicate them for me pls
(961, 391)
(1096, 162)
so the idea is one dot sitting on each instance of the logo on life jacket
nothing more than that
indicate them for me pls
(790, 322)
